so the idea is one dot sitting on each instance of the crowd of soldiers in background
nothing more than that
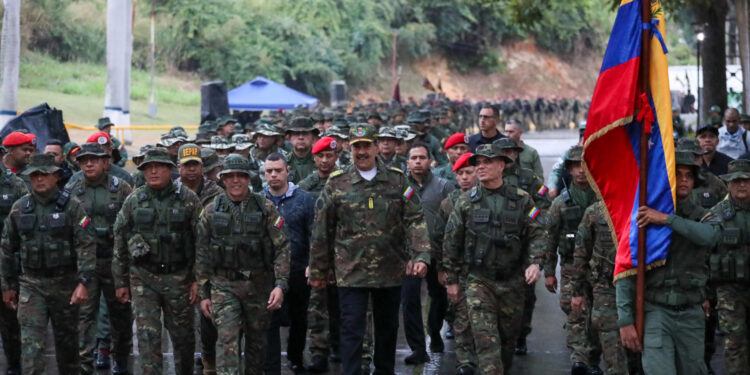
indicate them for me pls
(487, 229)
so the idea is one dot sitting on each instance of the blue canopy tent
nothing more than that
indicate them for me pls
(263, 94)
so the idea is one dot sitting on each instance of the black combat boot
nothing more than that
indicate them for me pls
(579, 368)
(521, 348)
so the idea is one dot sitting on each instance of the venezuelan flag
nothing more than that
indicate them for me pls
(612, 139)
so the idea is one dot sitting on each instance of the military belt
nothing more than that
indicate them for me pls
(161, 268)
(236, 275)
(50, 272)
(674, 307)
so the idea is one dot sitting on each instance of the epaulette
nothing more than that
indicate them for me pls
(396, 169)
(335, 173)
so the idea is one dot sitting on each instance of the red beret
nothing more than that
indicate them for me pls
(100, 138)
(463, 161)
(324, 144)
(18, 138)
(455, 139)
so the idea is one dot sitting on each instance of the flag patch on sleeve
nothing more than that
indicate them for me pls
(533, 213)
(408, 192)
(542, 190)
(84, 222)
(279, 221)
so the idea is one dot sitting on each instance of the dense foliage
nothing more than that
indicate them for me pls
(307, 43)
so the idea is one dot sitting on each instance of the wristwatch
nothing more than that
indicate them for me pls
(84, 281)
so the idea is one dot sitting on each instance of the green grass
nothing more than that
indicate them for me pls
(78, 90)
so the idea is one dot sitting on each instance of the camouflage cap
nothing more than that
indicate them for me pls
(738, 169)
(416, 117)
(690, 145)
(362, 133)
(208, 127)
(507, 144)
(42, 163)
(685, 158)
(142, 152)
(235, 163)
(490, 151)
(210, 159)
(220, 143)
(225, 120)
(189, 152)
(317, 116)
(575, 153)
(269, 130)
(104, 122)
(92, 149)
(241, 141)
(387, 132)
(405, 132)
(334, 132)
(301, 124)
(69, 147)
(156, 155)
(202, 139)
(327, 115)
(715, 108)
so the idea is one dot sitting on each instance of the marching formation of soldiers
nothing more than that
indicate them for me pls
(329, 221)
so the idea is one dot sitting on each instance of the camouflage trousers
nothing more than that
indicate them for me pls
(673, 340)
(120, 318)
(459, 318)
(323, 321)
(582, 348)
(528, 309)
(605, 332)
(10, 331)
(239, 307)
(205, 335)
(734, 319)
(42, 300)
(496, 312)
(154, 295)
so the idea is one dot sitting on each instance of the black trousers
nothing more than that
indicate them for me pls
(297, 300)
(385, 305)
(273, 345)
(438, 304)
(411, 300)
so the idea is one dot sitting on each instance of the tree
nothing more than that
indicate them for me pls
(713, 51)
(742, 10)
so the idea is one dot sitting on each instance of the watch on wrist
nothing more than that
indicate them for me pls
(84, 281)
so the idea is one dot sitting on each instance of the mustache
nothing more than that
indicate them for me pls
(363, 156)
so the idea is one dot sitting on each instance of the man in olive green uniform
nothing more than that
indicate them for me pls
(369, 227)
(729, 266)
(302, 134)
(593, 294)
(11, 189)
(675, 294)
(102, 195)
(388, 139)
(493, 234)
(242, 256)
(564, 216)
(53, 235)
(154, 254)
(419, 121)
(105, 124)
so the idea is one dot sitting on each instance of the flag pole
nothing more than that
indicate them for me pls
(644, 85)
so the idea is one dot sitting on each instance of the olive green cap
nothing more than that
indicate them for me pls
(362, 133)
(416, 117)
(685, 158)
(490, 151)
(92, 149)
(156, 155)
(104, 122)
(43, 163)
(575, 153)
(715, 108)
(70, 146)
(507, 144)
(234, 163)
(189, 152)
(738, 169)
(210, 159)
(301, 124)
(690, 145)
(225, 120)
(269, 130)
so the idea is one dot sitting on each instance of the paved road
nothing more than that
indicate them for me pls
(547, 351)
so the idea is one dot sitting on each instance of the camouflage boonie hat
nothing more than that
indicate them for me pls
(416, 117)
(317, 116)
(210, 159)
(104, 122)
(138, 158)
(685, 158)
(387, 132)
(189, 152)
(327, 115)
(269, 130)
(43, 163)
(405, 132)
(738, 169)
(225, 120)
(507, 144)
(202, 139)
(301, 124)
(235, 163)
(362, 133)
(575, 153)
(690, 145)
(220, 143)
(207, 127)
(334, 132)
(92, 149)
(156, 155)
(490, 151)
(241, 142)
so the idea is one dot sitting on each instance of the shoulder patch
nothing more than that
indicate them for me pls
(408, 192)
(396, 169)
(84, 222)
(336, 173)
(542, 190)
(279, 222)
(533, 213)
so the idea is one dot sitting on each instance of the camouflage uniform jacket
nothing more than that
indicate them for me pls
(594, 254)
(564, 216)
(34, 223)
(114, 170)
(369, 228)
(446, 207)
(313, 184)
(12, 188)
(396, 161)
(207, 191)
(709, 189)
(344, 160)
(529, 159)
(273, 250)
(168, 204)
(486, 230)
(526, 180)
(299, 168)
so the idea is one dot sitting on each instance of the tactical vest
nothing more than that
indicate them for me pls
(730, 264)
(8, 194)
(523, 180)
(102, 210)
(494, 244)
(570, 218)
(162, 225)
(241, 243)
(682, 279)
(705, 197)
(46, 236)
(602, 261)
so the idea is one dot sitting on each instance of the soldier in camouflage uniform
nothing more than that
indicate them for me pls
(419, 121)
(11, 189)
(101, 196)
(729, 266)
(369, 227)
(345, 156)
(265, 138)
(674, 318)
(493, 234)
(302, 135)
(53, 235)
(154, 255)
(388, 139)
(105, 124)
(592, 272)
(242, 256)
(564, 215)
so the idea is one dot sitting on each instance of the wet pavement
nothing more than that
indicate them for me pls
(547, 353)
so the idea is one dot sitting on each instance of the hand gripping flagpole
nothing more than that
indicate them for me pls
(645, 116)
